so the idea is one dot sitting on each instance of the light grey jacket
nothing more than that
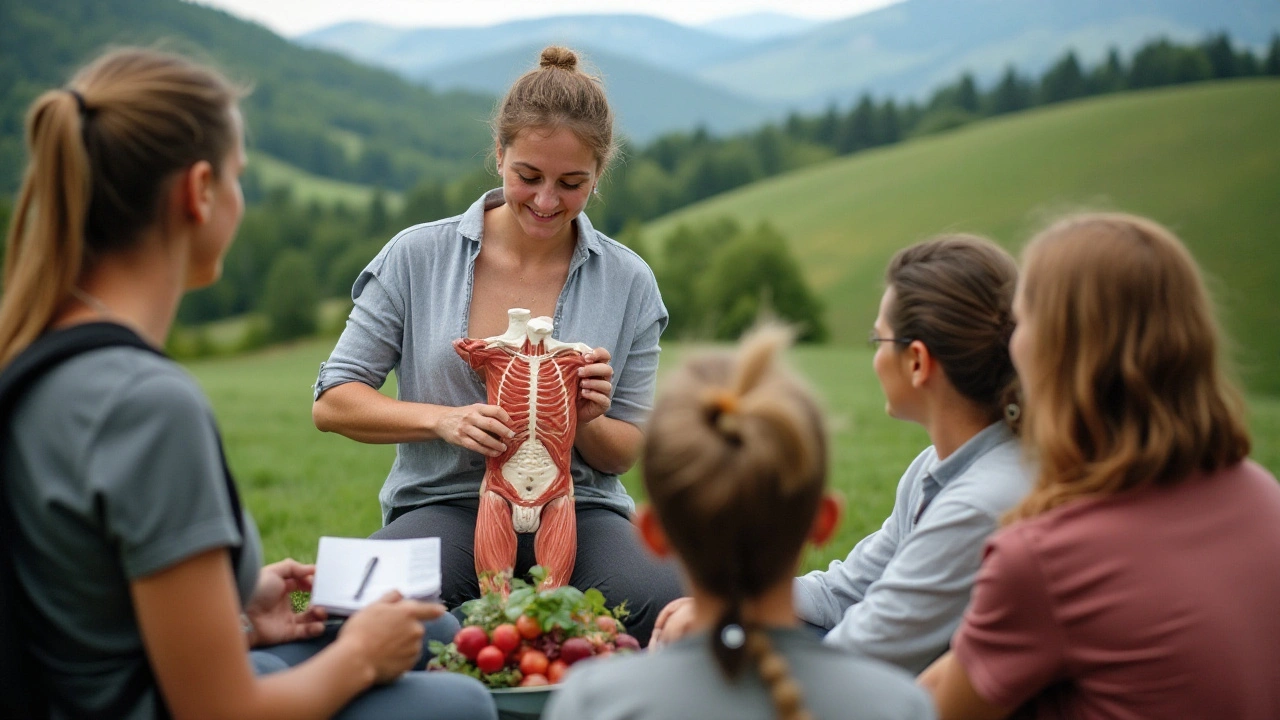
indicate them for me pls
(900, 593)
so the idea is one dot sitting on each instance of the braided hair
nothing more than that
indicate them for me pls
(735, 465)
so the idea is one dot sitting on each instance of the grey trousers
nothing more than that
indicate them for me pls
(415, 696)
(610, 558)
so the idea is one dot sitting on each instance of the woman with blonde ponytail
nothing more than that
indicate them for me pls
(1141, 576)
(135, 579)
(735, 466)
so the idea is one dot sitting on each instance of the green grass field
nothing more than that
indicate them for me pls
(1203, 159)
(300, 483)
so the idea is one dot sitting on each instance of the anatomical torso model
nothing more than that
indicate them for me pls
(528, 488)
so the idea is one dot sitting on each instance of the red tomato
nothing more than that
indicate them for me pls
(506, 638)
(533, 680)
(556, 670)
(470, 641)
(528, 627)
(534, 662)
(491, 659)
(607, 624)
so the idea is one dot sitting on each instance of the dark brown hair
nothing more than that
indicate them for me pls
(100, 152)
(735, 464)
(557, 94)
(1125, 386)
(954, 293)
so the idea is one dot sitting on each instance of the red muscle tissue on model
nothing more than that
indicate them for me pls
(528, 488)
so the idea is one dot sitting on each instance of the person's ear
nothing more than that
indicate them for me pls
(920, 363)
(497, 149)
(651, 534)
(197, 185)
(827, 519)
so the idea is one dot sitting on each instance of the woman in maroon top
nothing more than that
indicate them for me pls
(1140, 577)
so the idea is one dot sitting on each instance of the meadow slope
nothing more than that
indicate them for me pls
(1203, 159)
(300, 483)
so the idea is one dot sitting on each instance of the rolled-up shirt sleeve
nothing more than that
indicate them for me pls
(370, 345)
(1009, 643)
(636, 380)
(909, 614)
(822, 596)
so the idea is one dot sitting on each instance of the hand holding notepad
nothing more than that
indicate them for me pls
(354, 572)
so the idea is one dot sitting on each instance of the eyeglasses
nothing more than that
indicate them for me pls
(874, 341)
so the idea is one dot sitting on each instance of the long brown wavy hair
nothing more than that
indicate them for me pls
(735, 464)
(1123, 377)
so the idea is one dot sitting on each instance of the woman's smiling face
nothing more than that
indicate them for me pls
(547, 177)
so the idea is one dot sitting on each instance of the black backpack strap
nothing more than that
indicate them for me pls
(22, 694)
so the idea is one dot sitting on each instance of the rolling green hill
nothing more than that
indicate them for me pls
(300, 483)
(307, 187)
(312, 109)
(1203, 159)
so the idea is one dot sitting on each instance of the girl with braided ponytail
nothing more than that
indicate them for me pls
(735, 466)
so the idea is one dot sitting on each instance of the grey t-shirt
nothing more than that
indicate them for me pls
(683, 681)
(114, 474)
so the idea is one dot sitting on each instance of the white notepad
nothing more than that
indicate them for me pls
(410, 566)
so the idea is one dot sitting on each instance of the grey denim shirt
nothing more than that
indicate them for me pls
(900, 594)
(414, 299)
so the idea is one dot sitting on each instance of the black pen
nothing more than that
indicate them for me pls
(368, 573)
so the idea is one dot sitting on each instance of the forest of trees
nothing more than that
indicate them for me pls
(682, 168)
(679, 169)
(289, 255)
(311, 108)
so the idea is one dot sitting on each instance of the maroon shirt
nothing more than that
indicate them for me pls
(1157, 603)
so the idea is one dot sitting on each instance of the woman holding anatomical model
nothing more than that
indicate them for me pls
(526, 246)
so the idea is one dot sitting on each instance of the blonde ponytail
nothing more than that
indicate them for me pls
(45, 246)
(99, 154)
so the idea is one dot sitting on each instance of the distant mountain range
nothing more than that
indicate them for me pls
(765, 65)
(313, 109)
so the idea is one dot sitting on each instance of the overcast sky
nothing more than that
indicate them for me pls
(293, 17)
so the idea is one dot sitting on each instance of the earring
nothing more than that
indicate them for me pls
(1012, 412)
(595, 190)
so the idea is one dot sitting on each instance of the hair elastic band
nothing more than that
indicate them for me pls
(733, 636)
(724, 401)
(79, 100)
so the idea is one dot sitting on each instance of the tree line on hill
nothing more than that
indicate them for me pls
(679, 169)
(289, 254)
(313, 109)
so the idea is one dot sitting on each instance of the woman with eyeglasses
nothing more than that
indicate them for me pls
(942, 358)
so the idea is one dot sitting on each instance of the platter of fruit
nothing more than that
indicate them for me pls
(523, 644)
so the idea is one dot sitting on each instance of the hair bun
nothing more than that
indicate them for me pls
(556, 56)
